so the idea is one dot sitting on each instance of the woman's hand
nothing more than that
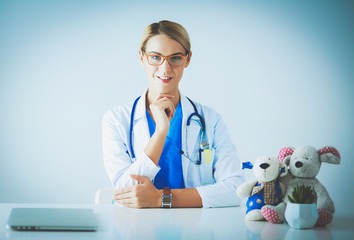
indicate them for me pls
(142, 195)
(162, 110)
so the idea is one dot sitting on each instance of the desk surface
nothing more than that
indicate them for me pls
(207, 224)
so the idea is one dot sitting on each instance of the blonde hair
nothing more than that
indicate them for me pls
(173, 30)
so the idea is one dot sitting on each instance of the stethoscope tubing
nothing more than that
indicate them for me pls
(131, 128)
(202, 122)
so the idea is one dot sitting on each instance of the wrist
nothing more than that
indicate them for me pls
(161, 133)
(159, 198)
(166, 199)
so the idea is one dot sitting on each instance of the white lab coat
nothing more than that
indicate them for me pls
(225, 172)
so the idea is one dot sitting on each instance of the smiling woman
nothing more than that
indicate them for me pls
(185, 157)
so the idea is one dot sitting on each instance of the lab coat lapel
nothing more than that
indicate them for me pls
(141, 134)
(187, 110)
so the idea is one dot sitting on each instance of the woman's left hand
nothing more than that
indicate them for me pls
(145, 194)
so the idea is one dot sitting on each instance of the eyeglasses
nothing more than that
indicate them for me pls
(157, 60)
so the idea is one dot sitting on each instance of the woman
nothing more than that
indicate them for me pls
(184, 155)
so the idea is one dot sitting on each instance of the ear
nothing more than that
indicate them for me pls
(141, 56)
(329, 154)
(283, 169)
(285, 154)
(188, 59)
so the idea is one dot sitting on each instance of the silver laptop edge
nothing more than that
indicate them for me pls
(52, 219)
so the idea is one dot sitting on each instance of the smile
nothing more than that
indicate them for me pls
(164, 79)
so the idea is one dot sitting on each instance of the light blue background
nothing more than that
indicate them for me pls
(279, 72)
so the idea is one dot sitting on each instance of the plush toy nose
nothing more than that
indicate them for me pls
(298, 164)
(264, 165)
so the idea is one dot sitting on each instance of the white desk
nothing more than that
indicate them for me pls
(205, 224)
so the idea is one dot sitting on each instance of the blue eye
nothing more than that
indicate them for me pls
(176, 58)
(156, 57)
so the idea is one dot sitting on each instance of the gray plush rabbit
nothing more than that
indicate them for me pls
(304, 164)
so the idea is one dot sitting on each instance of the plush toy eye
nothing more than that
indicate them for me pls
(306, 158)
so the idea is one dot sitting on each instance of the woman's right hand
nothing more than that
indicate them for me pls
(162, 110)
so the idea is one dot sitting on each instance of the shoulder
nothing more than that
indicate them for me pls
(119, 113)
(213, 120)
(207, 112)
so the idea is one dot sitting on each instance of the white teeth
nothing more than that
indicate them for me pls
(165, 78)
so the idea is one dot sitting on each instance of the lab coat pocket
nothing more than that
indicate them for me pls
(206, 166)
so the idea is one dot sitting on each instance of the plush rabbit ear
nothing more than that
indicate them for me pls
(329, 154)
(285, 154)
(283, 169)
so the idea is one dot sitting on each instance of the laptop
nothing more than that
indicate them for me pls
(52, 219)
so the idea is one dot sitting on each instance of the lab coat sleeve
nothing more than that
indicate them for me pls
(117, 161)
(227, 171)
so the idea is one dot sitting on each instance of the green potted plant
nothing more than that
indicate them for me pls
(301, 211)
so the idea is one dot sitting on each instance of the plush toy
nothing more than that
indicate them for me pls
(304, 164)
(265, 193)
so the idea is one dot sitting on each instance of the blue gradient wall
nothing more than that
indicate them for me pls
(280, 73)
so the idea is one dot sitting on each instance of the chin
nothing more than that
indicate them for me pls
(165, 88)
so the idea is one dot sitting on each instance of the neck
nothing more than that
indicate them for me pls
(152, 96)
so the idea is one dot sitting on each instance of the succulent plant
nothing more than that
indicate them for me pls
(302, 194)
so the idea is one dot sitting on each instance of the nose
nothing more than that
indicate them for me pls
(264, 165)
(298, 164)
(165, 66)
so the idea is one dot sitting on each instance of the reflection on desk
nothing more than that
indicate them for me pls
(218, 223)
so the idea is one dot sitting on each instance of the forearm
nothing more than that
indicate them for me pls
(145, 195)
(155, 146)
(162, 110)
(188, 197)
(220, 194)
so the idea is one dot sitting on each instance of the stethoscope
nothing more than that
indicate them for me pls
(203, 143)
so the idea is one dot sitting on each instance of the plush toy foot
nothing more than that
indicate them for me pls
(254, 215)
(271, 215)
(324, 217)
(274, 214)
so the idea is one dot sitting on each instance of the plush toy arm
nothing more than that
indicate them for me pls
(323, 198)
(283, 188)
(245, 189)
(287, 178)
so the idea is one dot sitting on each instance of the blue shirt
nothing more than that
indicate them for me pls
(170, 174)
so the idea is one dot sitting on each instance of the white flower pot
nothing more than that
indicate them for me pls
(301, 215)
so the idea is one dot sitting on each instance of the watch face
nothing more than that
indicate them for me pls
(167, 198)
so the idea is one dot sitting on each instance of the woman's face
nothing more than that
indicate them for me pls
(165, 77)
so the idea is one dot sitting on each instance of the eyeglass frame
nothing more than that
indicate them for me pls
(167, 57)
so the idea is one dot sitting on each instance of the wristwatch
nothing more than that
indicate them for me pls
(166, 198)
